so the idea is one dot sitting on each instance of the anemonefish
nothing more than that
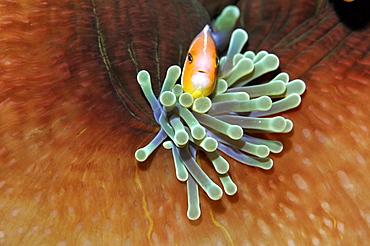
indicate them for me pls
(200, 68)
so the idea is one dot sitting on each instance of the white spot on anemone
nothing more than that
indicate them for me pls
(344, 180)
(290, 242)
(299, 181)
(224, 120)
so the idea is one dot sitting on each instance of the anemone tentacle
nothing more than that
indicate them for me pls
(221, 121)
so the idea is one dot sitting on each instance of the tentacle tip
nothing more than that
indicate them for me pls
(181, 137)
(235, 132)
(143, 77)
(193, 214)
(231, 190)
(214, 192)
(141, 155)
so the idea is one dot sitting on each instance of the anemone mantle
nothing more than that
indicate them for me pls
(67, 171)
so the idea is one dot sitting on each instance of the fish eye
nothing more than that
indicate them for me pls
(190, 58)
(217, 61)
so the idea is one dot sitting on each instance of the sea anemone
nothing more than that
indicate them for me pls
(226, 120)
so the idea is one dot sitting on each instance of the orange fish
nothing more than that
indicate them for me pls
(200, 68)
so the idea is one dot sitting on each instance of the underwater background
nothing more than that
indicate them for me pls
(72, 116)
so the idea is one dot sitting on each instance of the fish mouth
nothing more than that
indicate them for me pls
(200, 83)
(200, 80)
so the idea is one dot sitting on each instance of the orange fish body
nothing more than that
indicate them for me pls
(200, 68)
